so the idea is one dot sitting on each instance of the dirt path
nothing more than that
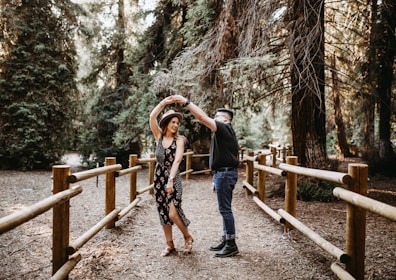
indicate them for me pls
(131, 250)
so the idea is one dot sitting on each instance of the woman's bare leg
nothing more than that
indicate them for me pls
(169, 240)
(168, 232)
(175, 217)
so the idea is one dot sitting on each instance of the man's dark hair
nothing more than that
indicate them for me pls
(228, 111)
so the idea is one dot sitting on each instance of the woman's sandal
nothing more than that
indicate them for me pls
(188, 244)
(168, 250)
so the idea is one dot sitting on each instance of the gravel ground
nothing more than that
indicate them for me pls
(132, 250)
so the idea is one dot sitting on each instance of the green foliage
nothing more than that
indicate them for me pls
(37, 88)
(133, 121)
(100, 126)
(198, 21)
(315, 190)
(331, 142)
(253, 132)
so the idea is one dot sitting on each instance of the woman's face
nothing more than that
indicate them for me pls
(173, 125)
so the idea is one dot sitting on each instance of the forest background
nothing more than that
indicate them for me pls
(84, 75)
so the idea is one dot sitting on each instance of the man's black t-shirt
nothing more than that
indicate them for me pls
(224, 147)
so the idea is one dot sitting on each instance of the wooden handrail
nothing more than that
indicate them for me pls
(321, 242)
(331, 176)
(143, 190)
(128, 208)
(340, 272)
(357, 203)
(355, 196)
(128, 171)
(272, 170)
(79, 242)
(18, 218)
(367, 203)
(146, 160)
(269, 210)
(64, 254)
(64, 271)
(84, 175)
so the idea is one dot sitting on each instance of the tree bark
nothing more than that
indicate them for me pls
(343, 147)
(369, 147)
(386, 57)
(306, 47)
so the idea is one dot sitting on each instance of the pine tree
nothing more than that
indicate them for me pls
(37, 88)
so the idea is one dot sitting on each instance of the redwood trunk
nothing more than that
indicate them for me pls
(343, 147)
(307, 78)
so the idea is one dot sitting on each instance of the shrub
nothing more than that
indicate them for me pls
(315, 190)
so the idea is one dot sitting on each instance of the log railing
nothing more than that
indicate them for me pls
(354, 192)
(65, 255)
(280, 153)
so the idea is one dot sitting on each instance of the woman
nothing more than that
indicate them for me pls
(167, 181)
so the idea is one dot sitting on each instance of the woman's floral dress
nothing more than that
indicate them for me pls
(165, 158)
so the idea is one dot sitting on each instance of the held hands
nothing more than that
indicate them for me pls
(177, 98)
(167, 100)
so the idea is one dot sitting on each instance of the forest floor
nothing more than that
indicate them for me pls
(132, 249)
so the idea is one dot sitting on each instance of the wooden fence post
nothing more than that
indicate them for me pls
(284, 154)
(132, 178)
(240, 154)
(151, 172)
(261, 178)
(249, 171)
(110, 190)
(60, 219)
(356, 223)
(291, 190)
(289, 150)
(188, 164)
(273, 152)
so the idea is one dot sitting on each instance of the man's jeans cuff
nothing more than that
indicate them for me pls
(230, 236)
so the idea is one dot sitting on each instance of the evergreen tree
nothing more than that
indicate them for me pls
(385, 58)
(307, 81)
(107, 83)
(38, 93)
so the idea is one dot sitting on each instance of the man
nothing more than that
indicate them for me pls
(223, 161)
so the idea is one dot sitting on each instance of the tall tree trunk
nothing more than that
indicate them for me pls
(306, 47)
(122, 73)
(386, 57)
(343, 147)
(370, 151)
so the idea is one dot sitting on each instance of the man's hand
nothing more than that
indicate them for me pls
(177, 98)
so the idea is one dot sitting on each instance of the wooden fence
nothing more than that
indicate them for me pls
(65, 255)
(354, 192)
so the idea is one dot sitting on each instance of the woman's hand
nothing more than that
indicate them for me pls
(167, 100)
(169, 189)
(169, 186)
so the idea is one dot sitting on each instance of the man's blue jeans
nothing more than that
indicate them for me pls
(224, 182)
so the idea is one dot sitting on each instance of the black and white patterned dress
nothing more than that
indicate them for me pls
(165, 158)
